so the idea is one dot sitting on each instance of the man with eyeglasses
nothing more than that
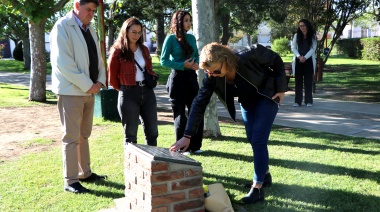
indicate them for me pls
(77, 74)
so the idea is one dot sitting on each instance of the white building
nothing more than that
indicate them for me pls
(351, 31)
(264, 36)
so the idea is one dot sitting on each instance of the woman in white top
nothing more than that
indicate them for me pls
(304, 62)
(136, 99)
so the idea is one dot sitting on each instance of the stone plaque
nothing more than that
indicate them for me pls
(162, 154)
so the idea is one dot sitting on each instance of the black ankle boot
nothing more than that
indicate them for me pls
(267, 181)
(254, 195)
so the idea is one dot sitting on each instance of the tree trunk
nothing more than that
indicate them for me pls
(102, 36)
(203, 18)
(217, 17)
(111, 35)
(37, 87)
(226, 30)
(160, 33)
(26, 52)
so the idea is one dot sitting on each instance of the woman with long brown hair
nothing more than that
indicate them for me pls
(135, 99)
(180, 53)
(304, 45)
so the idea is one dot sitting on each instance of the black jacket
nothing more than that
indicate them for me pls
(259, 66)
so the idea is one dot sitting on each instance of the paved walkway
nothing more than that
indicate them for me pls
(339, 117)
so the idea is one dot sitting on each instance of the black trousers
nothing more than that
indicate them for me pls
(183, 87)
(304, 79)
(134, 103)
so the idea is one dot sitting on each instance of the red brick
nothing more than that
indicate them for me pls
(189, 205)
(169, 198)
(144, 162)
(139, 171)
(130, 177)
(197, 193)
(165, 177)
(130, 196)
(126, 164)
(160, 209)
(158, 166)
(193, 172)
(160, 189)
(127, 155)
(185, 184)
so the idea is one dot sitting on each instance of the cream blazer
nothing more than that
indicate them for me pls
(310, 53)
(69, 58)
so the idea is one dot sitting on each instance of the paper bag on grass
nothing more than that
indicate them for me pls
(218, 201)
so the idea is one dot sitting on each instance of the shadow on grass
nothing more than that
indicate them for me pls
(305, 166)
(321, 147)
(296, 197)
(109, 194)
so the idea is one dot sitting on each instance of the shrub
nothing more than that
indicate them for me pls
(350, 47)
(2, 47)
(281, 46)
(17, 52)
(371, 48)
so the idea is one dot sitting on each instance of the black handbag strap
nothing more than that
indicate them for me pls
(139, 66)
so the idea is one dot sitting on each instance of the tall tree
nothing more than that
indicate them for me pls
(338, 14)
(102, 36)
(375, 9)
(326, 15)
(14, 26)
(203, 18)
(157, 12)
(37, 12)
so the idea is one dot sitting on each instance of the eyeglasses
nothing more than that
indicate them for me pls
(217, 71)
(136, 33)
(301, 26)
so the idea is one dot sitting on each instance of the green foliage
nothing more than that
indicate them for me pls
(36, 10)
(2, 46)
(281, 46)
(13, 66)
(17, 96)
(351, 47)
(235, 39)
(349, 80)
(18, 52)
(160, 70)
(371, 48)
(298, 158)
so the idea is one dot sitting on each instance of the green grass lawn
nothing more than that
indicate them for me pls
(347, 79)
(311, 171)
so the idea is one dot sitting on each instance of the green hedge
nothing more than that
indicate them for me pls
(281, 46)
(351, 47)
(371, 48)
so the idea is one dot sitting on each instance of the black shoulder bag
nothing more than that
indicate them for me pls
(150, 80)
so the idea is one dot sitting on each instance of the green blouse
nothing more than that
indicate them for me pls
(171, 54)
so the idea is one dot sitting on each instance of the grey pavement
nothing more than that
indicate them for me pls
(326, 115)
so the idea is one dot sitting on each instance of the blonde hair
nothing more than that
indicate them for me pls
(215, 52)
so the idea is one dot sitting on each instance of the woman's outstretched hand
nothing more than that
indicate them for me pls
(181, 143)
(281, 97)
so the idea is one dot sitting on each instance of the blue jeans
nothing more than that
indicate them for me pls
(258, 120)
(134, 102)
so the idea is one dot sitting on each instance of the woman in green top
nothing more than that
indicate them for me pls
(180, 53)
